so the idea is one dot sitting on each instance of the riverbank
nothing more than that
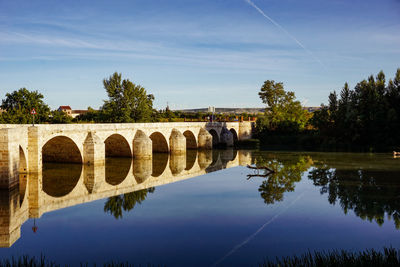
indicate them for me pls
(309, 141)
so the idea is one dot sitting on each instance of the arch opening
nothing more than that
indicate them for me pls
(61, 149)
(190, 140)
(117, 170)
(159, 142)
(59, 179)
(234, 134)
(215, 137)
(23, 179)
(117, 146)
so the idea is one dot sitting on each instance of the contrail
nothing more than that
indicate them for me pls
(286, 32)
(256, 232)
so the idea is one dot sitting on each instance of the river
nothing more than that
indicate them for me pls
(222, 214)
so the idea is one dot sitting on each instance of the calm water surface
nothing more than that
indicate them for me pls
(211, 211)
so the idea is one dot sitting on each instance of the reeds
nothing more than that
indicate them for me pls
(371, 257)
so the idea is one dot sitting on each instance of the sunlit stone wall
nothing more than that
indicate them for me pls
(25, 147)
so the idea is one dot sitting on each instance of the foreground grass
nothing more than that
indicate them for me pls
(387, 257)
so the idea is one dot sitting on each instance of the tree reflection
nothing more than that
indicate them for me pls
(371, 192)
(287, 172)
(117, 204)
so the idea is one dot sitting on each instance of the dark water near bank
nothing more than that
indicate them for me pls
(224, 217)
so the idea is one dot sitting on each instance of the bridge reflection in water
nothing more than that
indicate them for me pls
(61, 185)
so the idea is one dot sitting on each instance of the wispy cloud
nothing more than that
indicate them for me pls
(286, 32)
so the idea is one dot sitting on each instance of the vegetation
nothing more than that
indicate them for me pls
(127, 102)
(366, 118)
(389, 257)
(19, 105)
(335, 258)
(283, 113)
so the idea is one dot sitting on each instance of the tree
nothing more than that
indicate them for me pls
(59, 117)
(127, 101)
(19, 104)
(283, 112)
(367, 117)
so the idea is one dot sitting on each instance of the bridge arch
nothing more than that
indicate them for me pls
(215, 137)
(61, 149)
(22, 175)
(234, 135)
(117, 146)
(191, 142)
(160, 143)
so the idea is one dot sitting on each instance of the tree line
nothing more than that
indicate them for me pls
(127, 103)
(365, 118)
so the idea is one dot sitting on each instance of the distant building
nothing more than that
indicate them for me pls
(72, 112)
(66, 109)
(311, 109)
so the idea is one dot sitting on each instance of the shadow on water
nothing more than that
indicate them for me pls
(59, 179)
(117, 169)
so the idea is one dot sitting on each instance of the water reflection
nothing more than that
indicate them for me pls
(367, 187)
(160, 161)
(142, 169)
(287, 171)
(122, 181)
(117, 169)
(117, 204)
(59, 179)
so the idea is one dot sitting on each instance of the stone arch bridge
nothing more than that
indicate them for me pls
(23, 148)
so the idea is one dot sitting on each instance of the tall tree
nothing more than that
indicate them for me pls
(19, 104)
(283, 111)
(127, 101)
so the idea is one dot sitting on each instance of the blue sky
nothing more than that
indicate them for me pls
(195, 53)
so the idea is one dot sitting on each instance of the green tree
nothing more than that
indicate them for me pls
(19, 104)
(367, 117)
(283, 112)
(59, 117)
(127, 101)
